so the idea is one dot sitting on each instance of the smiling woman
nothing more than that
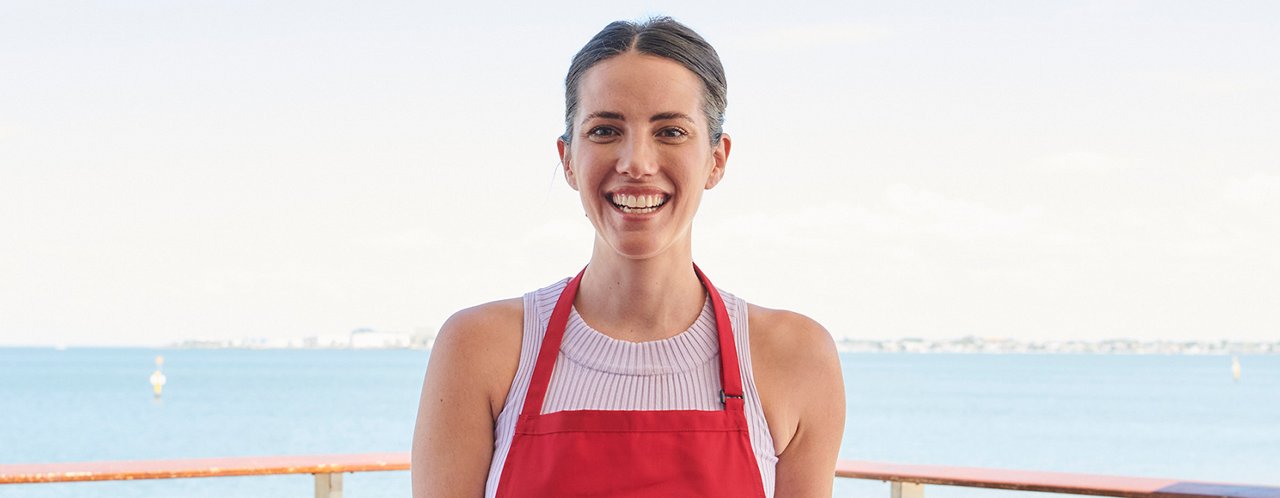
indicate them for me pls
(641, 162)
(637, 377)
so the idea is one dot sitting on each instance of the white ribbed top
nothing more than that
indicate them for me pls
(596, 372)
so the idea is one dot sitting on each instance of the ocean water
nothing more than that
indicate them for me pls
(1159, 416)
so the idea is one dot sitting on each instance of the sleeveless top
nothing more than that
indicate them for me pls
(596, 372)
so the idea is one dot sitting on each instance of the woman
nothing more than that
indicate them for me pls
(636, 377)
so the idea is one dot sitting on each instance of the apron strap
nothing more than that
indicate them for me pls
(547, 355)
(730, 376)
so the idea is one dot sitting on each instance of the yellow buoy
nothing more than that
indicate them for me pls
(157, 377)
(1235, 368)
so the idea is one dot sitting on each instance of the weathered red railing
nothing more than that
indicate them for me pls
(909, 480)
(328, 469)
(906, 481)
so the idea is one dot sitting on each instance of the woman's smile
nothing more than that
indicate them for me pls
(637, 201)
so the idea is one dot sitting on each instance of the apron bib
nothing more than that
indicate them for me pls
(631, 453)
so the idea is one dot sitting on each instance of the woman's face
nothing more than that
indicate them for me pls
(640, 156)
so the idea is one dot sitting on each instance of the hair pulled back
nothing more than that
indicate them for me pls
(658, 36)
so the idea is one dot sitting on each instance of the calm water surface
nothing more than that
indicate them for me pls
(1161, 416)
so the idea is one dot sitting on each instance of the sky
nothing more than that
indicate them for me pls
(1026, 170)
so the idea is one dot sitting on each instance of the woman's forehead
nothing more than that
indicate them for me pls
(639, 86)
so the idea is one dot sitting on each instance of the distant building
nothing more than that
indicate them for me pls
(423, 338)
(997, 345)
(366, 338)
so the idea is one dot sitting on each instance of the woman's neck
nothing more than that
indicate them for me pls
(640, 300)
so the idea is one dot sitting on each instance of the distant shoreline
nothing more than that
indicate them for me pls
(972, 344)
(964, 345)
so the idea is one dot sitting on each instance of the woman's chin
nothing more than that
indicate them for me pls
(638, 248)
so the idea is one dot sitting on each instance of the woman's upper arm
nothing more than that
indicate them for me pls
(802, 356)
(472, 363)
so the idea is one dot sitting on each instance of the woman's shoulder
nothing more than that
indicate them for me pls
(483, 330)
(481, 344)
(494, 329)
(485, 319)
(797, 373)
(788, 334)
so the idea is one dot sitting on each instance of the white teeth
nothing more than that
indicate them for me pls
(638, 204)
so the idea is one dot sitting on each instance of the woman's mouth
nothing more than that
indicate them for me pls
(638, 204)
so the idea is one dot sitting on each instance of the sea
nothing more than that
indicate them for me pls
(1183, 417)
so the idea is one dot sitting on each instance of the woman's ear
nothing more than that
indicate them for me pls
(563, 149)
(719, 158)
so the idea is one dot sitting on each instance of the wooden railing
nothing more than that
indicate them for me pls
(906, 481)
(328, 469)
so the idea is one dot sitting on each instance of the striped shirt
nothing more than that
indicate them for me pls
(596, 372)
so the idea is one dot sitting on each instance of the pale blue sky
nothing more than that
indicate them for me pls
(1018, 169)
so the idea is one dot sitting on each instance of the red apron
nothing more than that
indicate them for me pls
(631, 453)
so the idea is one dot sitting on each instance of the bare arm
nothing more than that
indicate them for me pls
(472, 363)
(798, 374)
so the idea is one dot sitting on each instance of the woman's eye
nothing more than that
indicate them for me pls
(602, 132)
(672, 133)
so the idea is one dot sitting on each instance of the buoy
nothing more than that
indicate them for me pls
(1235, 368)
(157, 377)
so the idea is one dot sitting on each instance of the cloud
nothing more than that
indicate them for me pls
(411, 239)
(924, 212)
(1255, 190)
(814, 36)
(902, 215)
(1082, 162)
(1209, 82)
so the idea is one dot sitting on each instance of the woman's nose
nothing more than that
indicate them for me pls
(638, 159)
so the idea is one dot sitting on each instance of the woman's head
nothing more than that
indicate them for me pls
(661, 37)
(645, 103)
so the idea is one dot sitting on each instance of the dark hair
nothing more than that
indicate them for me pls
(662, 37)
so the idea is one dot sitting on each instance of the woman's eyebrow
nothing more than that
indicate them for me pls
(605, 115)
(670, 115)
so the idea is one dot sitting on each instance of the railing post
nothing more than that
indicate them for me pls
(329, 485)
(906, 490)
